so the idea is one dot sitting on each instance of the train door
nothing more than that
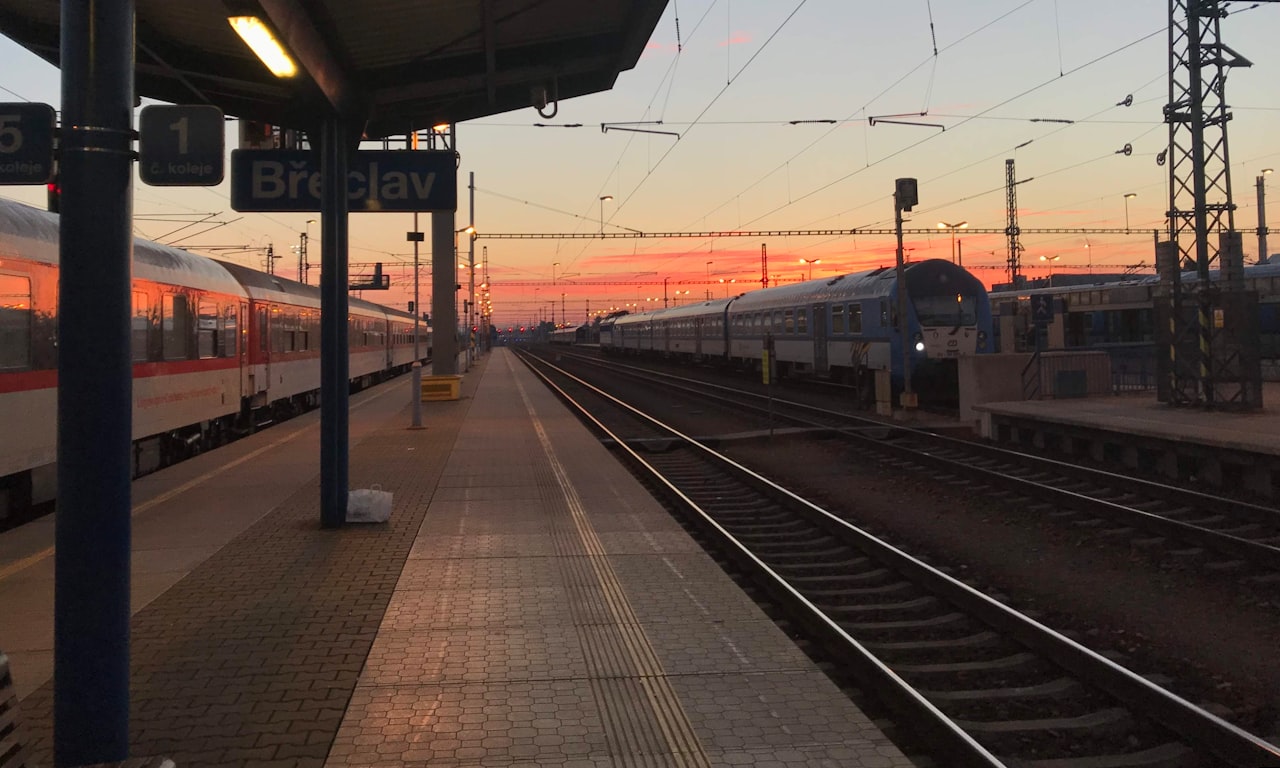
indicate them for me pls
(820, 363)
(264, 348)
(699, 328)
(246, 370)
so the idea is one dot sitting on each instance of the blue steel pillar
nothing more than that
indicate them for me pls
(95, 385)
(334, 364)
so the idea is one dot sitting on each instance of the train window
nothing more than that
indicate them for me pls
(230, 322)
(777, 321)
(175, 324)
(884, 314)
(789, 321)
(207, 329)
(802, 321)
(951, 309)
(263, 337)
(837, 318)
(855, 318)
(140, 326)
(15, 322)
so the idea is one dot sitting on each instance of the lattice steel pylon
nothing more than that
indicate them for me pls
(1203, 360)
(1012, 230)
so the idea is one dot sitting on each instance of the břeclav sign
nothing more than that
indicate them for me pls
(377, 180)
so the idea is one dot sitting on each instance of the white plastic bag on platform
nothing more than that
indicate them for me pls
(369, 505)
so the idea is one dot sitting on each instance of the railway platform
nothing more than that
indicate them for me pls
(1218, 448)
(528, 604)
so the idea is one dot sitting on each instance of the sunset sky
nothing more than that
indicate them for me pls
(1007, 72)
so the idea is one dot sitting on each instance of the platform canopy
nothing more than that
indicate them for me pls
(393, 66)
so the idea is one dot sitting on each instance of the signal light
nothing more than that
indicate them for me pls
(54, 195)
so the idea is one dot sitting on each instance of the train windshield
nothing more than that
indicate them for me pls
(955, 309)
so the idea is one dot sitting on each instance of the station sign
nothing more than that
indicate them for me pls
(377, 180)
(181, 145)
(26, 143)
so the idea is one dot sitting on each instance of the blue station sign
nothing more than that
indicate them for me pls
(377, 180)
(26, 143)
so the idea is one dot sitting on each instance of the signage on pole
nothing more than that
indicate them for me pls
(1041, 309)
(377, 180)
(181, 145)
(26, 143)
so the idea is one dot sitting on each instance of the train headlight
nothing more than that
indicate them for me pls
(919, 346)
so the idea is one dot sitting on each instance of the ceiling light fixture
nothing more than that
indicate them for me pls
(263, 42)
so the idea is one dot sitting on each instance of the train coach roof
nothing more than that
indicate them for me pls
(700, 309)
(34, 233)
(263, 287)
(857, 285)
(29, 231)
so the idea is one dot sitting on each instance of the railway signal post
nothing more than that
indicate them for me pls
(905, 196)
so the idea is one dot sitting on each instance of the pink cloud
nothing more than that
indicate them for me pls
(737, 38)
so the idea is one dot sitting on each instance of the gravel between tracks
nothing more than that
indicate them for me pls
(1220, 643)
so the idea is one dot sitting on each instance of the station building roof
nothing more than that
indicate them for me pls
(396, 66)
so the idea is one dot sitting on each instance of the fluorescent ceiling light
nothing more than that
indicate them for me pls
(262, 41)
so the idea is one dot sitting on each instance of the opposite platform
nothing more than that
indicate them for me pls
(1220, 447)
(529, 604)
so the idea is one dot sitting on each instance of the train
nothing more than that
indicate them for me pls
(1116, 314)
(219, 350)
(841, 328)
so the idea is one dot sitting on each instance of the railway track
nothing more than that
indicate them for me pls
(979, 683)
(1224, 534)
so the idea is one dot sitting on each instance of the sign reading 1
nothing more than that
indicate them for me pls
(181, 145)
(26, 143)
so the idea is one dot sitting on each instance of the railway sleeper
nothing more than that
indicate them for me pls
(924, 603)
(786, 559)
(1053, 690)
(821, 569)
(1170, 755)
(941, 621)
(818, 584)
(1021, 661)
(1244, 530)
(1113, 721)
(1205, 522)
(771, 545)
(855, 593)
(984, 639)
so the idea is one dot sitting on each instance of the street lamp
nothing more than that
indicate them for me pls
(1127, 197)
(953, 228)
(726, 285)
(811, 262)
(602, 199)
(709, 263)
(1051, 259)
(1262, 216)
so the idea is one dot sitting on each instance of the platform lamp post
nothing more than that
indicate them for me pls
(1127, 197)
(1262, 216)
(470, 231)
(416, 237)
(603, 198)
(811, 262)
(953, 228)
(709, 263)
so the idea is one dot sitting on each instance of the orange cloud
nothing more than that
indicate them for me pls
(737, 38)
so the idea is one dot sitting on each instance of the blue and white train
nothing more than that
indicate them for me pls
(842, 328)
